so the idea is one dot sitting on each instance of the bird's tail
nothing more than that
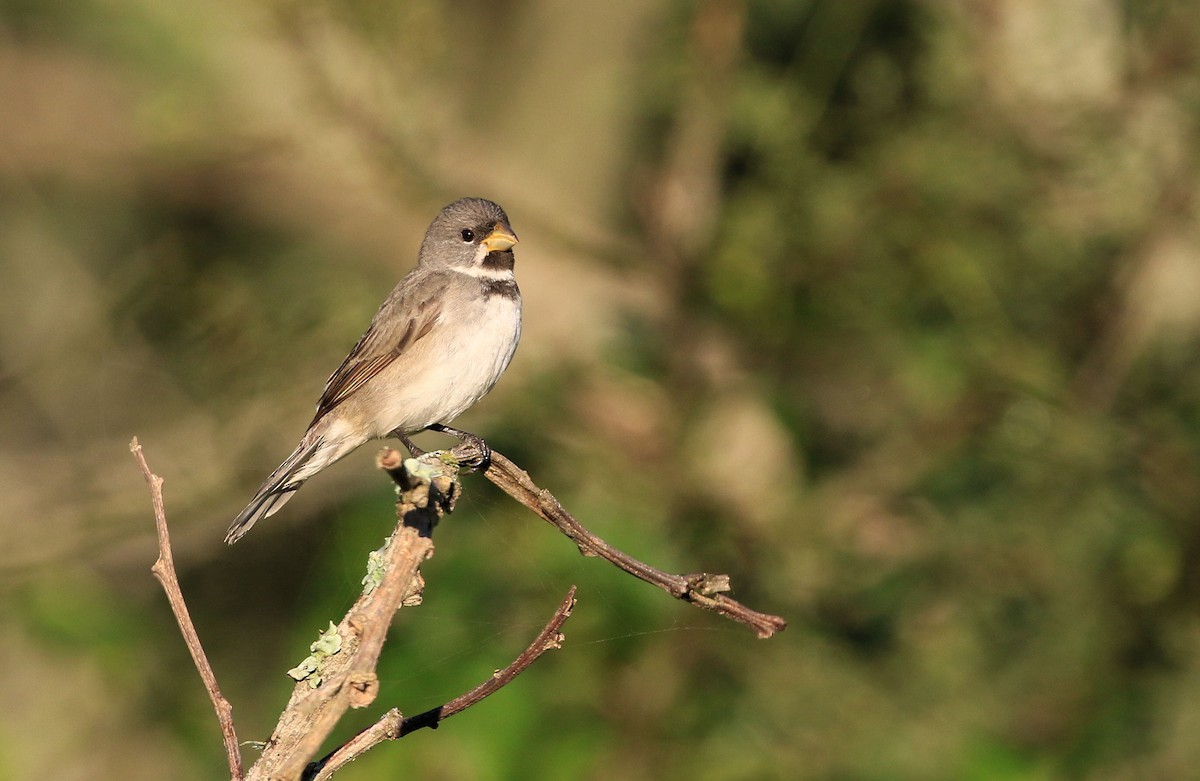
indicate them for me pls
(279, 487)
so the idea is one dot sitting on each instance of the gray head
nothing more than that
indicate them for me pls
(470, 233)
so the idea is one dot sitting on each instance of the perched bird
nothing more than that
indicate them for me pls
(435, 347)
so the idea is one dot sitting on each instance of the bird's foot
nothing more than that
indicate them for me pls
(472, 452)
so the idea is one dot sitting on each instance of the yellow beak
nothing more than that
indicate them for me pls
(500, 239)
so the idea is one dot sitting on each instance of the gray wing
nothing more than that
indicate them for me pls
(408, 316)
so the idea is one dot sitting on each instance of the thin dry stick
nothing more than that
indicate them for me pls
(550, 638)
(700, 589)
(164, 571)
(393, 726)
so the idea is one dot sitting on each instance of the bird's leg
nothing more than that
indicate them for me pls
(413, 450)
(476, 460)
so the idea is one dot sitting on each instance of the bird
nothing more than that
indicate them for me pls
(437, 345)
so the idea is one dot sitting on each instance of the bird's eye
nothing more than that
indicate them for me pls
(467, 235)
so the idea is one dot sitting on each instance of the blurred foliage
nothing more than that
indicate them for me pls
(889, 309)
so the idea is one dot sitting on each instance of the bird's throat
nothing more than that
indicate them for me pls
(499, 261)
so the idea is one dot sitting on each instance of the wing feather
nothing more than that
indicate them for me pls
(385, 340)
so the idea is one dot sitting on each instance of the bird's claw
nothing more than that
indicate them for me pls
(471, 451)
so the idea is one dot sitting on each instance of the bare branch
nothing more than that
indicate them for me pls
(394, 726)
(700, 589)
(347, 679)
(164, 571)
(341, 673)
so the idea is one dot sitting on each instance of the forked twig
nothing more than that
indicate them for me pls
(347, 675)
(164, 571)
(393, 726)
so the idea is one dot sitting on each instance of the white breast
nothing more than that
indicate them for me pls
(480, 355)
(459, 364)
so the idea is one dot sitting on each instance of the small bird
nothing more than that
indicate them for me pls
(436, 346)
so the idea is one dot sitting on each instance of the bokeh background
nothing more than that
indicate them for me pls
(887, 308)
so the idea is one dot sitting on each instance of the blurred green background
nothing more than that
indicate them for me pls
(888, 309)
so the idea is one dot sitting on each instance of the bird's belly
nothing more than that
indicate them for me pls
(457, 370)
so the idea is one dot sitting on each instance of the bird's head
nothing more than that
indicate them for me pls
(472, 234)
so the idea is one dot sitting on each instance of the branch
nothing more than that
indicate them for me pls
(341, 673)
(700, 589)
(549, 639)
(394, 726)
(164, 571)
(346, 678)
